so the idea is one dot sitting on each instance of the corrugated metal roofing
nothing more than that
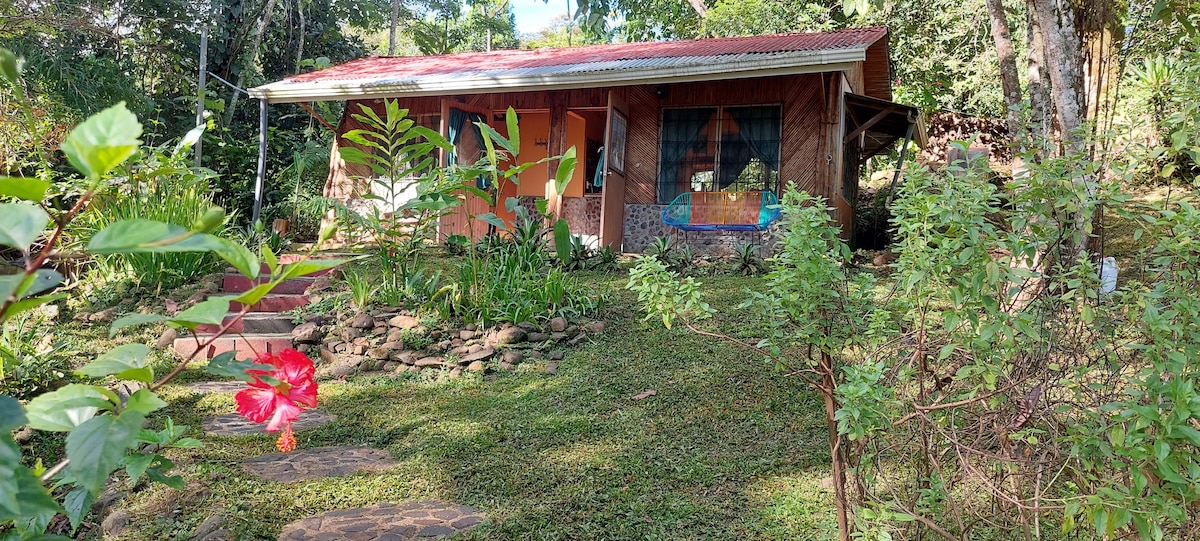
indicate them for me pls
(570, 65)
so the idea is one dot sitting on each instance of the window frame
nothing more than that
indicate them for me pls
(720, 113)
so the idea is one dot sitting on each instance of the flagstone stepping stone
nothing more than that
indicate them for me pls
(206, 387)
(233, 424)
(318, 462)
(405, 521)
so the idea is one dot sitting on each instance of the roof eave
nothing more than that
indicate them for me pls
(810, 62)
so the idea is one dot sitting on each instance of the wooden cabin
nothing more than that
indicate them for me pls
(649, 121)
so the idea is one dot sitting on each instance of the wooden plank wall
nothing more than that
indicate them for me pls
(802, 97)
(641, 145)
(809, 126)
(877, 72)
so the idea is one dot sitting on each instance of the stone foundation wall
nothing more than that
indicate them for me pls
(643, 224)
(583, 214)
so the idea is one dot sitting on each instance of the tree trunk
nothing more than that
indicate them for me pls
(300, 45)
(1039, 94)
(395, 19)
(241, 78)
(1061, 46)
(699, 6)
(837, 454)
(1009, 79)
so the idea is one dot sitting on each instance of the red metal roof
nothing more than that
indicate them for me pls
(505, 60)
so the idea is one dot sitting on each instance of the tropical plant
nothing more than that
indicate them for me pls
(104, 431)
(410, 191)
(746, 259)
(606, 258)
(662, 249)
(32, 360)
(361, 284)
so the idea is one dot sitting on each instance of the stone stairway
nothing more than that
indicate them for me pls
(265, 329)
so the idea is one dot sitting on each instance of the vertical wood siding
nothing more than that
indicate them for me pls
(809, 123)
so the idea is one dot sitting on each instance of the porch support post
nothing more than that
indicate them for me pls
(262, 160)
(900, 162)
(557, 145)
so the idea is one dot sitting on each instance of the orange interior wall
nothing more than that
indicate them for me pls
(576, 137)
(535, 128)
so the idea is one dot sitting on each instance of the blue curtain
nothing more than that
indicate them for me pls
(759, 131)
(458, 122)
(598, 178)
(682, 129)
(735, 155)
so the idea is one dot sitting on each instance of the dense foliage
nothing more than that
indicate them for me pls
(104, 431)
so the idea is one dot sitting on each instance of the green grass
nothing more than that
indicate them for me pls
(729, 448)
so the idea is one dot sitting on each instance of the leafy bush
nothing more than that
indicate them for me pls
(107, 433)
(515, 283)
(32, 360)
(158, 184)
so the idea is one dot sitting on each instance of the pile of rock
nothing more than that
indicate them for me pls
(398, 342)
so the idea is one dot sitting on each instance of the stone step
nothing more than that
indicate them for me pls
(273, 303)
(406, 521)
(265, 270)
(253, 323)
(245, 346)
(236, 283)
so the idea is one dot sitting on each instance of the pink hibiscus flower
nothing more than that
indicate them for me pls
(280, 404)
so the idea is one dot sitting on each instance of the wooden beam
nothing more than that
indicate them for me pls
(867, 125)
(308, 109)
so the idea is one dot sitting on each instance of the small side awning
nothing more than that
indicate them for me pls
(881, 123)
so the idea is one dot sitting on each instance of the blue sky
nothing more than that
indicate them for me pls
(534, 15)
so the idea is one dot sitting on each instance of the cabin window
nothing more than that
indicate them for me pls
(708, 149)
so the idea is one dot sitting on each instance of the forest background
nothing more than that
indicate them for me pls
(83, 55)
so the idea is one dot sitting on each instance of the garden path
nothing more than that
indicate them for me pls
(386, 521)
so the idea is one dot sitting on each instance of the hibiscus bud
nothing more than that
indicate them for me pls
(327, 232)
(210, 221)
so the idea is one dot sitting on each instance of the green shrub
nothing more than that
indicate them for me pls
(32, 360)
(160, 184)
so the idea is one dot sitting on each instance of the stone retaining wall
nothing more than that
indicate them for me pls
(643, 224)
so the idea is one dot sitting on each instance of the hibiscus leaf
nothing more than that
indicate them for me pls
(209, 312)
(10, 467)
(144, 401)
(29, 189)
(24, 499)
(31, 303)
(124, 362)
(173, 481)
(136, 464)
(103, 141)
(226, 365)
(240, 257)
(11, 414)
(256, 293)
(97, 447)
(149, 236)
(133, 320)
(77, 503)
(66, 408)
(187, 443)
(20, 224)
(304, 268)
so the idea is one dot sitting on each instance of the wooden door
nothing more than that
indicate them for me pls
(457, 222)
(612, 206)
